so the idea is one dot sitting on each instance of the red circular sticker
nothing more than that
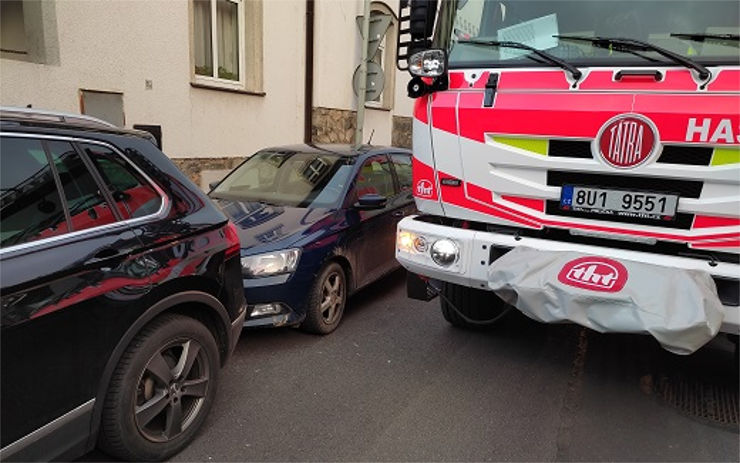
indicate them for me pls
(627, 141)
(424, 188)
(594, 273)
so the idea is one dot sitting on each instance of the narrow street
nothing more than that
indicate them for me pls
(395, 382)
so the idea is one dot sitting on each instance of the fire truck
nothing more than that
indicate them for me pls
(576, 160)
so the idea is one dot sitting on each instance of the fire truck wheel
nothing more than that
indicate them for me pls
(471, 308)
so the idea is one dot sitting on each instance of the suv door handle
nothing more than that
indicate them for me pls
(398, 214)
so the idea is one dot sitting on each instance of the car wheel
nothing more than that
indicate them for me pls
(471, 308)
(326, 301)
(161, 390)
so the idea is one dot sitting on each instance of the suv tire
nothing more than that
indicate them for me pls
(471, 308)
(170, 368)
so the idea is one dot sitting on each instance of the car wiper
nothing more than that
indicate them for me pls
(574, 71)
(703, 37)
(628, 45)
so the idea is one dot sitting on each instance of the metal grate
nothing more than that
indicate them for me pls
(569, 149)
(686, 155)
(714, 402)
(672, 154)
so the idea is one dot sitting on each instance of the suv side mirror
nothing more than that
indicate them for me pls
(213, 185)
(370, 202)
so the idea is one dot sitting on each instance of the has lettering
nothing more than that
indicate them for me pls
(710, 130)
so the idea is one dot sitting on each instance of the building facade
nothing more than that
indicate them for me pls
(219, 78)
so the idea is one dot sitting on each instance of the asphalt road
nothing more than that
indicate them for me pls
(395, 382)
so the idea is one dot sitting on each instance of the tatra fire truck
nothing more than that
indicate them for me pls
(576, 160)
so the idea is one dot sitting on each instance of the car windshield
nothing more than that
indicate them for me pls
(704, 31)
(288, 178)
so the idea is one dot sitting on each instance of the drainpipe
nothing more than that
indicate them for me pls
(308, 91)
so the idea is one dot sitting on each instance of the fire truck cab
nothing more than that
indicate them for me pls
(577, 160)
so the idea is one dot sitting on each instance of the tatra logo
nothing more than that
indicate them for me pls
(594, 273)
(424, 188)
(626, 141)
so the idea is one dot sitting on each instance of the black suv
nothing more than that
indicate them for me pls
(121, 292)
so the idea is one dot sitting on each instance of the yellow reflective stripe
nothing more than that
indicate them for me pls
(535, 145)
(724, 156)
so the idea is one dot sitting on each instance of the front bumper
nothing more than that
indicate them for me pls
(288, 291)
(471, 267)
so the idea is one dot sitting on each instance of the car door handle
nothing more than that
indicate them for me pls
(398, 214)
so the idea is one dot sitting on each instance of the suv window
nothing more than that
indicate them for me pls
(402, 164)
(133, 195)
(375, 178)
(87, 206)
(30, 205)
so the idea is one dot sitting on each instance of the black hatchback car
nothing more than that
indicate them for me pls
(316, 223)
(121, 292)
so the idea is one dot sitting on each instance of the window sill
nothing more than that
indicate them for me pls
(225, 89)
(378, 107)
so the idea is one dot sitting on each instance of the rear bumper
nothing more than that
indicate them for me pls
(475, 255)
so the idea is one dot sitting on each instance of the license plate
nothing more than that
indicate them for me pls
(618, 202)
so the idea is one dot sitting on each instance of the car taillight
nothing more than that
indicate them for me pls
(232, 237)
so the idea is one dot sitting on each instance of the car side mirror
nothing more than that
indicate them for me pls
(370, 202)
(213, 185)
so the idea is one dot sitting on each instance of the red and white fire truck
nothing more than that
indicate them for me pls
(579, 160)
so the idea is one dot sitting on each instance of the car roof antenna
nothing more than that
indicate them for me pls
(370, 140)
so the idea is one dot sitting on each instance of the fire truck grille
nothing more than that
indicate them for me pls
(682, 188)
(672, 154)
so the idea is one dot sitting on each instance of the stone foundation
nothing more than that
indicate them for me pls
(401, 135)
(329, 126)
(333, 125)
(338, 126)
(205, 170)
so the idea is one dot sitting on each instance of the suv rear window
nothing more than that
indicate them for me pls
(87, 206)
(30, 205)
(133, 195)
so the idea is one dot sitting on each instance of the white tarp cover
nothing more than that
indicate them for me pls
(680, 308)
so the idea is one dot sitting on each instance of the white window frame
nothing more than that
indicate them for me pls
(213, 80)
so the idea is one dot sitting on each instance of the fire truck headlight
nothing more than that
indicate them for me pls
(428, 63)
(445, 252)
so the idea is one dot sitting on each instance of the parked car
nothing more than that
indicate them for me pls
(121, 292)
(316, 223)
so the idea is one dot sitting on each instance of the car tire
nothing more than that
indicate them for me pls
(471, 308)
(170, 367)
(326, 301)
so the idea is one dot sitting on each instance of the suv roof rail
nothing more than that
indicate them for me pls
(39, 115)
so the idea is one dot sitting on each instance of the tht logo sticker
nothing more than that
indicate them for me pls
(424, 188)
(594, 273)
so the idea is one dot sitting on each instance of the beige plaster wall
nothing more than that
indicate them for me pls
(116, 45)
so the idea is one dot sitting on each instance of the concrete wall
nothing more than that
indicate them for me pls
(338, 52)
(119, 45)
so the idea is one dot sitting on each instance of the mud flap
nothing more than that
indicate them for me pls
(420, 288)
(680, 308)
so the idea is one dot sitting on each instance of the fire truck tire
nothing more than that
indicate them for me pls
(471, 308)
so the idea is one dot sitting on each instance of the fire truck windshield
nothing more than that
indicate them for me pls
(704, 31)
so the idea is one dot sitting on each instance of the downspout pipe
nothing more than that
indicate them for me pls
(308, 90)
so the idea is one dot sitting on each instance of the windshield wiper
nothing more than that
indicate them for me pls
(703, 37)
(628, 45)
(574, 71)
